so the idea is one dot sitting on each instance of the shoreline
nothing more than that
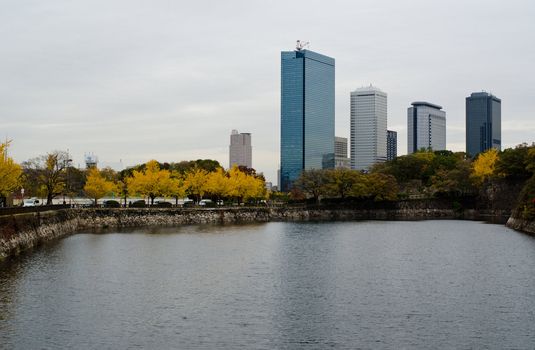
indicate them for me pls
(20, 232)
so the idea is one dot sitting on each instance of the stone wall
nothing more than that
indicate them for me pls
(23, 231)
(516, 222)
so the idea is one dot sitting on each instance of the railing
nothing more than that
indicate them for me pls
(36, 209)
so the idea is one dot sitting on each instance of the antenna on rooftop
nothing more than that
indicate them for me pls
(301, 45)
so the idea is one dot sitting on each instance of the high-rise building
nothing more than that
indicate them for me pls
(240, 149)
(368, 127)
(426, 127)
(483, 123)
(307, 113)
(391, 144)
(340, 153)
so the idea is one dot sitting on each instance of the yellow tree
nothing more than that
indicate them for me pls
(256, 188)
(218, 184)
(483, 166)
(151, 182)
(10, 172)
(175, 186)
(196, 181)
(96, 185)
(237, 183)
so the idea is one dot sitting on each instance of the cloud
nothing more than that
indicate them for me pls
(131, 81)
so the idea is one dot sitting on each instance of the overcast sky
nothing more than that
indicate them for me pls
(133, 80)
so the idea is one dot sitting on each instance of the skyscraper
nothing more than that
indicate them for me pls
(240, 150)
(340, 153)
(368, 127)
(307, 113)
(426, 127)
(483, 123)
(391, 144)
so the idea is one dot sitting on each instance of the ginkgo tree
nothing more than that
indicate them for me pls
(196, 182)
(97, 186)
(151, 182)
(10, 173)
(483, 166)
(175, 186)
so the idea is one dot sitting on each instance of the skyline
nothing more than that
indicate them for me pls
(169, 81)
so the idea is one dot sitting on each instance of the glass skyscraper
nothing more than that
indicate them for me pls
(483, 123)
(426, 127)
(391, 144)
(307, 114)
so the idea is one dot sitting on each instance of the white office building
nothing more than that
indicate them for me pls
(240, 149)
(368, 127)
(341, 159)
(426, 127)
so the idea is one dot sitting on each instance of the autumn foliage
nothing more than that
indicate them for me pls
(10, 172)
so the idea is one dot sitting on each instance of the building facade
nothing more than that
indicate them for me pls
(307, 114)
(483, 123)
(368, 127)
(240, 149)
(391, 144)
(340, 153)
(426, 127)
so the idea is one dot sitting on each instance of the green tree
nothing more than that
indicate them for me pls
(382, 187)
(313, 183)
(341, 182)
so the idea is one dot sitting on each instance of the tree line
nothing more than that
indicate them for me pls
(426, 174)
(51, 175)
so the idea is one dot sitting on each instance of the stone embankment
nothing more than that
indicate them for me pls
(23, 231)
(516, 222)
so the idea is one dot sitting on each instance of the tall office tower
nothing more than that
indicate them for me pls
(391, 144)
(307, 113)
(368, 127)
(240, 150)
(340, 153)
(426, 127)
(483, 123)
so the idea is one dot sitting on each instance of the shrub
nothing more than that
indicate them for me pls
(112, 204)
(138, 204)
(163, 205)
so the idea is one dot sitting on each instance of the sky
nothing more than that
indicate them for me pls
(131, 81)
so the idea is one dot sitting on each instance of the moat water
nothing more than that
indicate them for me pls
(343, 285)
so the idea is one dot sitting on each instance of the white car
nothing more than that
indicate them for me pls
(30, 202)
(205, 202)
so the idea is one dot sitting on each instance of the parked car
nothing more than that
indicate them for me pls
(30, 202)
(206, 203)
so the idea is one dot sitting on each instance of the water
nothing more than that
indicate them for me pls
(348, 285)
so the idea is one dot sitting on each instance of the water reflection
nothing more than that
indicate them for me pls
(434, 284)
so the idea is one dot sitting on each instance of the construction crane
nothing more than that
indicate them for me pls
(301, 45)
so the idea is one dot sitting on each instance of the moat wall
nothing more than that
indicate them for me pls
(516, 222)
(23, 231)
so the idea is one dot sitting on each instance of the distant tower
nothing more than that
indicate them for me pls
(368, 127)
(483, 123)
(340, 153)
(91, 160)
(240, 149)
(426, 127)
(391, 144)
